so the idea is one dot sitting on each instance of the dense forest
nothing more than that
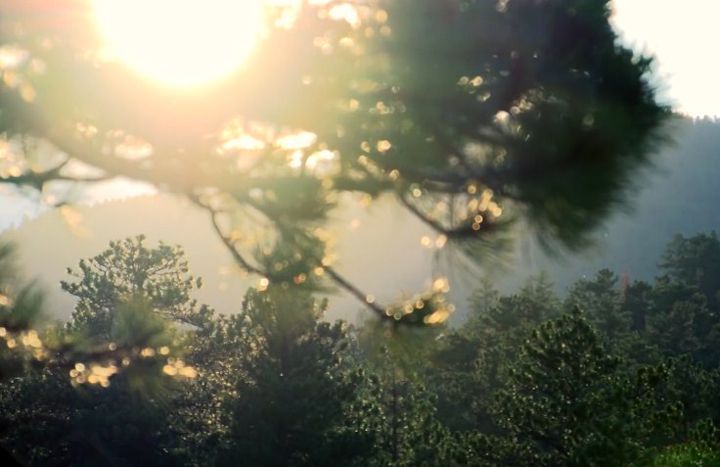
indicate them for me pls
(615, 372)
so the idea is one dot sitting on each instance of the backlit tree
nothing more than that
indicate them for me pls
(469, 113)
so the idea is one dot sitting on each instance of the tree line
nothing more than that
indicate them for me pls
(616, 372)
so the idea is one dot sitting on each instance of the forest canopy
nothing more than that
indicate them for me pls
(614, 372)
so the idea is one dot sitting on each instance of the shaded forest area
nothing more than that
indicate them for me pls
(616, 372)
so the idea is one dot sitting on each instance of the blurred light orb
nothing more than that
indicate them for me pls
(181, 43)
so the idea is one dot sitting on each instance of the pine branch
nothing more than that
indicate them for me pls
(335, 276)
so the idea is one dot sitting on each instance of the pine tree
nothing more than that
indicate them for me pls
(676, 325)
(114, 406)
(600, 298)
(563, 403)
(467, 112)
(292, 386)
(399, 413)
(695, 261)
(637, 300)
(687, 296)
(129, 270)
(473, 363)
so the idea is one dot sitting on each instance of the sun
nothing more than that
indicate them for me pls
(181, 43)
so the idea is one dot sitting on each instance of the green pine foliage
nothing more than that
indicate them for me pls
(468, 114)
(614, 373)
(128, 269)
(292, 387)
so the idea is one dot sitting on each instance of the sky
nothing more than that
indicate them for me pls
(682, 35)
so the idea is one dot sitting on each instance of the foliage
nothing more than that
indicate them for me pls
(129, 269)
(477, 358)
(562, 401)
(686, 455)
(695, 262)
(291, 388)
(529, 379)
(119, 350)
(21, 307)
(610, 384)
(470, 113)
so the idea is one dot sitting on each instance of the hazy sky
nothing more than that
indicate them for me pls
(680, 33)
(683, 35)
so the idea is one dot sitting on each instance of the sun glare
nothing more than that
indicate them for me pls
(181, 43)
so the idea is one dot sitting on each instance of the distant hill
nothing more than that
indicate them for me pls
(379, 246)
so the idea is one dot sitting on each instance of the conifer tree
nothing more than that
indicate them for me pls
(292, 386)
(469, 113)
(563, 402)
(129, 270)
(601, 300)
(472, 364)
(113, 404)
